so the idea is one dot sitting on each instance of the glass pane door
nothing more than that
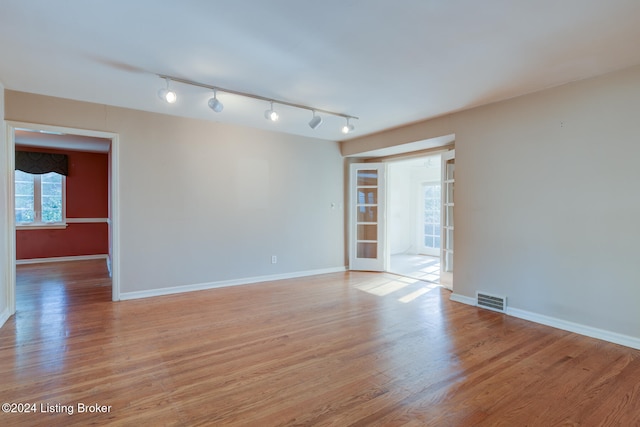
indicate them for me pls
(448, 180)
(366, 213)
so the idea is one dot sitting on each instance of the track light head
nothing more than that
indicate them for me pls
(348, 127)
(215, 104)
(315, 121)
(167, 95)
(271, 114)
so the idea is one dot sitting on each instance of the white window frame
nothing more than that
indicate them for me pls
(37, 224)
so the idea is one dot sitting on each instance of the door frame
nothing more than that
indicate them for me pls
(114, 202)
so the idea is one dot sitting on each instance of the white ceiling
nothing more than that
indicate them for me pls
(389, 62)
(44, 139)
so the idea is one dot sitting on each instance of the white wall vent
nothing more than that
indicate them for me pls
(491, 302)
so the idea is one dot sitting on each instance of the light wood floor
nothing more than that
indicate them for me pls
(339, 349)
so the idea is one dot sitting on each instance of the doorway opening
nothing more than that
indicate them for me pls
(43, 138)
(414, 211)
(393, 217)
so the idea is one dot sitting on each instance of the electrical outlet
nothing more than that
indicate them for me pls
(274, 259)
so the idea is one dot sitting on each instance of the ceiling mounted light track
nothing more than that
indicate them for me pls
(214, 103)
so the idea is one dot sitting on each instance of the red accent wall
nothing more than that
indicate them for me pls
(87, 197)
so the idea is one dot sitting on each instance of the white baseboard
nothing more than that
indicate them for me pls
(224, 283)
(565, 325)
(61, 259)
(578, 328)
(4, 316)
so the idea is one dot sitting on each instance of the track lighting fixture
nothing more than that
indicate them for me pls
(348, 127)
(315, 121)
(271, 114)
(215, 104)
(166, 94)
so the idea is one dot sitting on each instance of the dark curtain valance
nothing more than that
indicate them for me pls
(39, 163)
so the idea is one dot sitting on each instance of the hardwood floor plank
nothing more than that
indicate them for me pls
(342, 349)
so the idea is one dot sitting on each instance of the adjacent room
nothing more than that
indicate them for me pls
(414, 211)
(349, 213)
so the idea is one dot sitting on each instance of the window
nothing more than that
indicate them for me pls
(431, 216)
(39, 199)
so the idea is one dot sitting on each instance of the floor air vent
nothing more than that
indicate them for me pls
(491, 302)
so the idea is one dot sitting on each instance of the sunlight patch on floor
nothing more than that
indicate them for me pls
(386, 287)
(418, 293)
(421, 267)
(411, 288)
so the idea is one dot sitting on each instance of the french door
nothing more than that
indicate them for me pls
(366, 217)
(448, 180)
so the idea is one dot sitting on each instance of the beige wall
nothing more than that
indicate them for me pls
(547, 201)
(204, 202)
